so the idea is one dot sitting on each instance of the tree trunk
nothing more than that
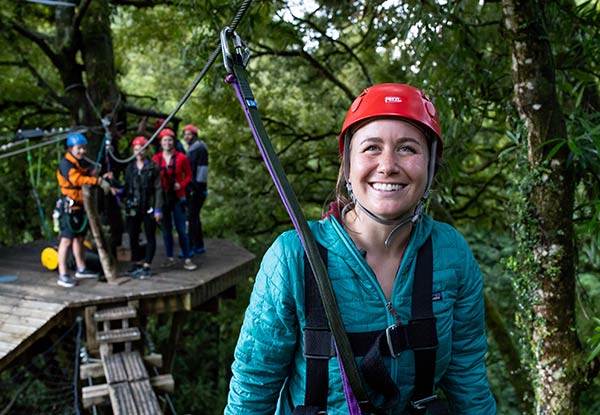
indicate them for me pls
(103, 98)
(109, 264)
(548, 263)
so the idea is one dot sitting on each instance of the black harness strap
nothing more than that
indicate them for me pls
(419, 335)
(424, 397)
(318, 344)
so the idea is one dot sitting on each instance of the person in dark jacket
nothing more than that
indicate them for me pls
(73, 172)
(196, 190)
(374, 234)
(143, 197)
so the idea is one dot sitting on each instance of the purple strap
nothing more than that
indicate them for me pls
(353, 407)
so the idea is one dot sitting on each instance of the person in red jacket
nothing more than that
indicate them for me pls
(175, 174)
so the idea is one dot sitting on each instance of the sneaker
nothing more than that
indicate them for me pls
(134, 269)
(200, 250)
(66, 281)
(181, 256)
(189, 265)
(142, 273)
(86, 273)
(170, 262)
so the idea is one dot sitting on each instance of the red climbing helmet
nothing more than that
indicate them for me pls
(191, 128)
(140, 140)
(166, 132)
(394, 100)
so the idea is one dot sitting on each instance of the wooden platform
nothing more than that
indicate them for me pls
(34, 304)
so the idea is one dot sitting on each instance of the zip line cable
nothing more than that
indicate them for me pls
(212, 58)
(59, 137)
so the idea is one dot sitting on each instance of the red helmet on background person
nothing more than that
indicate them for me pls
(158, 123)
(191, 128)
(140, 140)
(166, 132)
(394, 100)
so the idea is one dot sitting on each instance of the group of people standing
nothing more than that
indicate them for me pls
(168, 188)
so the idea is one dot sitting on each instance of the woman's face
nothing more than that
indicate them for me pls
(388, 167)
(137, 150)
(167, 143)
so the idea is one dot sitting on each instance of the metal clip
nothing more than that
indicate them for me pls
(388, 335)
(241, 49)
(422, 403)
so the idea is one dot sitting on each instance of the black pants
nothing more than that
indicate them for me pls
(196, 199)
(134, 226)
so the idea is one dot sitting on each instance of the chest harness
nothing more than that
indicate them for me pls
(170, 176)
(419, 335)
(65, 205)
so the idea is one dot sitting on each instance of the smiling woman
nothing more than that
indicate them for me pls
(408, 288)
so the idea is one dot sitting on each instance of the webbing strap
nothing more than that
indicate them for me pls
(237, 77)
(317, 343)
(423, 397)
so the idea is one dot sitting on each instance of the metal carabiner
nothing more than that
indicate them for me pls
(241, 49)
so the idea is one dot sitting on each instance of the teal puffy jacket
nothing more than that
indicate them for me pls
(269, 367)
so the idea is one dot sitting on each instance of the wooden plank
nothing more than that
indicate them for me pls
(121, 399)
(17, 330)
(116, 313)
(98, 394)
(134, 366)
(114, 369)
(24, 319)
(26, 312)
(91, 329)
(7, 346)
(155, 359)
(164, 383)
(23, 303)
(93, 370)
(13, 338)
(119, 335)
(94, 395)
(144, 397)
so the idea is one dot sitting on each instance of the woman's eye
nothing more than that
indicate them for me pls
(371, 147)
(406, 149)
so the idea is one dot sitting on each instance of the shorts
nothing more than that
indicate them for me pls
(74, 224)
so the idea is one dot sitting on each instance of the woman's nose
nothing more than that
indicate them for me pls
(388, 163)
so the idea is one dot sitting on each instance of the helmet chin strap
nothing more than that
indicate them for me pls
(400, 222)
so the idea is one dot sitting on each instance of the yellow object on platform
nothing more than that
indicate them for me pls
(50, 258)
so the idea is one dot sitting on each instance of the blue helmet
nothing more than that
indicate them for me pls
(74, 139)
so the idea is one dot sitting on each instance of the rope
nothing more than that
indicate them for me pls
(79, 322)
(212, 58)
(36, 195)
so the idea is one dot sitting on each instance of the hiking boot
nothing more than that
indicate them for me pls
(86, 273)
(142, 273)
(189, 265)
(66, 281)
(170, 262)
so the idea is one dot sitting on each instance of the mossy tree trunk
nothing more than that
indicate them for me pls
(547, 257)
